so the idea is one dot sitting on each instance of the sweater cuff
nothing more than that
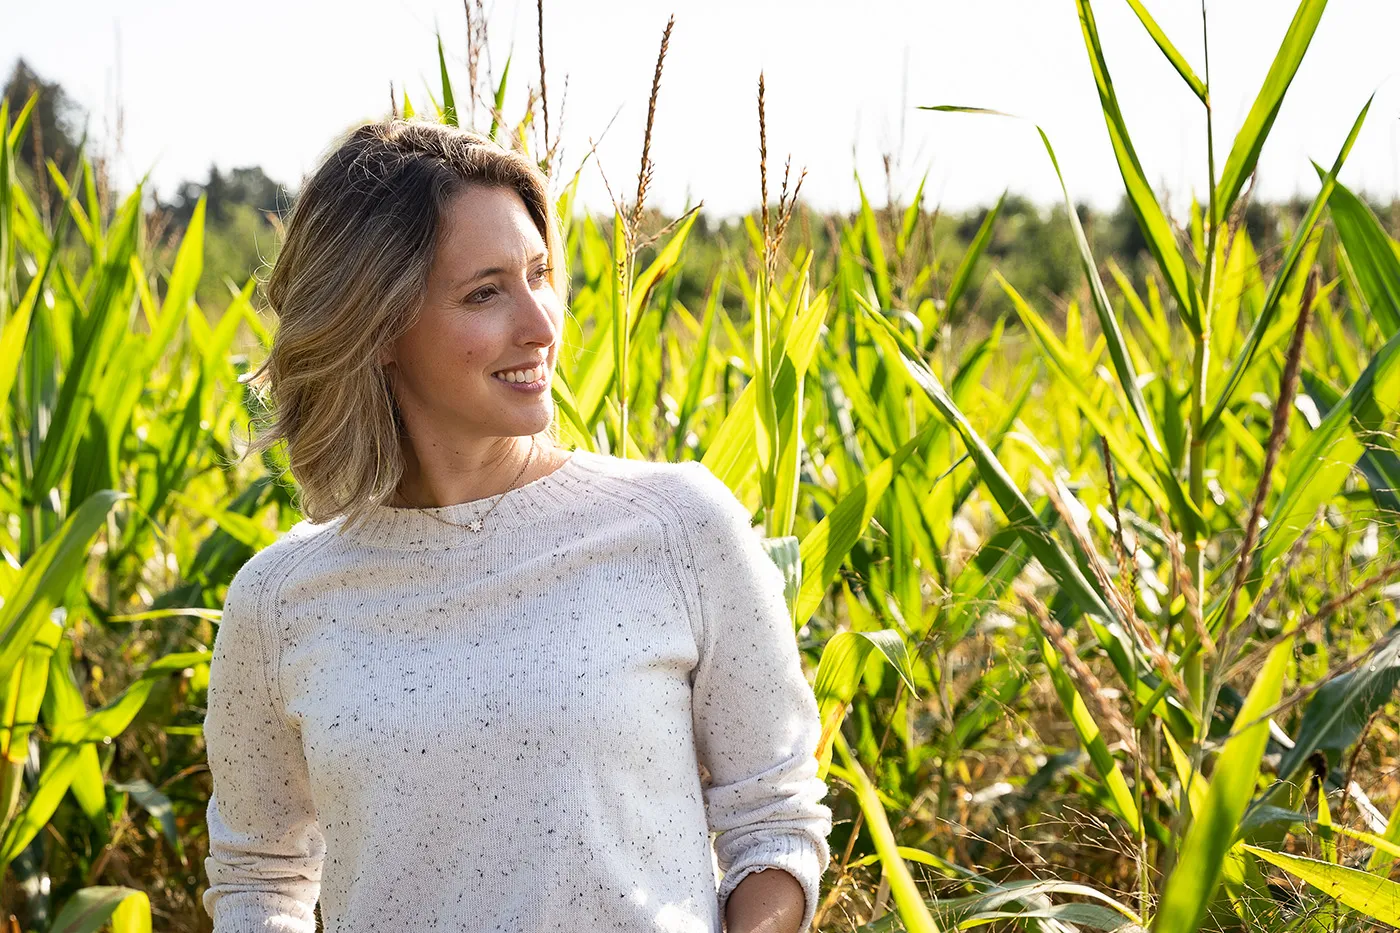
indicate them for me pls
(263, 911)
(793, 851)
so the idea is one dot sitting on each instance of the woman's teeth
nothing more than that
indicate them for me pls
(522, 375)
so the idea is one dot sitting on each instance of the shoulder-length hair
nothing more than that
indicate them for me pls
(349, 279)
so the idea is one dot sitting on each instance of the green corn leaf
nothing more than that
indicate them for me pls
(43, 801)
(978, 909)
(500, 98)
(115, 716)
(180, 290)
(1290, 265)
(64, 702)
(1158, 330)
(839, 673)
(91, 909)
(826, 546)
(97, 336)
(1198, 87)
(1166, 490)
(21, 122)
(1249, 142)
(7, 235)
(1368, 894)
(1108, 320)
(1383, 858)
(1089, 733)
(1161, 240)
(1193, 881)
(1320, 466)
(1339, 710)
(1380, 463)
(47, 574)
(963, 276)
(874, 251)
(449, 106)
(911, 216)
(909, 902)
(665, 260)
(153, 802)
(1372, 253)
(730, 452)
(998, 482)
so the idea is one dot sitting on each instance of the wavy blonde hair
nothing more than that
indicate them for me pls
(349, 280)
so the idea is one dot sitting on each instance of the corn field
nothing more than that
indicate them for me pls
(1099, 601)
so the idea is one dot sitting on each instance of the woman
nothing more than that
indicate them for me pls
(475, 689)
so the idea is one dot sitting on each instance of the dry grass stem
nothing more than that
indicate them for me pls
(1277, 435)
(1091, 555)
(1183, 582)
(1310, 689)
(1290, 560)
(762, 159)
(785, 209)
(544, 93)
(1127, 566)
(1091, 689)
(644, 172)
(476, 42)
(1384, 575)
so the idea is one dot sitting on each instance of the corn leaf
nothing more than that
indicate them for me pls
(1198, 87)
(1285, 273)
(1161, 239)
(1369, 894)
(1089, 733)
(1373, 256)
(1249, 142)
(1192, 883)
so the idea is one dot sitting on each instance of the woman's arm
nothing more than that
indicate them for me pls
(265, 847)
(767, 901)
(755, 716)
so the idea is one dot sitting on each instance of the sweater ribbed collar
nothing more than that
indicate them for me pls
(408, 529)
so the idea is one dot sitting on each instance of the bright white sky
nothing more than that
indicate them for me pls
(271, 82)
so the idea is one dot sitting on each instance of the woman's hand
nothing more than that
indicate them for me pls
(767, 901)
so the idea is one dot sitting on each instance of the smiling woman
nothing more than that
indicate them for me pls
(479, 690)
(420, 259)
(474, 367)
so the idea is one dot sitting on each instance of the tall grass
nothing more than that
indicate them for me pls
(1099, 602)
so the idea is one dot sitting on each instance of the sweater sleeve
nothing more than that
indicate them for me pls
(755, 715)
(265, 846)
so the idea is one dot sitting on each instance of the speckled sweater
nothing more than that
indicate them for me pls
(590, 716)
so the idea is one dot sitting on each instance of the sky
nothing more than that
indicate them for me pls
(274, 83)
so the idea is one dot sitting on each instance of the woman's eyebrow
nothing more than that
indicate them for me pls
(493, 270)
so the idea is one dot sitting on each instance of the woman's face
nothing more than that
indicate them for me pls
(489, 307)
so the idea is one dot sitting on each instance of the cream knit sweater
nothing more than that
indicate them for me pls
(427, 728)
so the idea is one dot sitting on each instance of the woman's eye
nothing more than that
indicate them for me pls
(481, 294)
(543, 271)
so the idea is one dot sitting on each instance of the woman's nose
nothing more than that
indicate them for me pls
(536, 317)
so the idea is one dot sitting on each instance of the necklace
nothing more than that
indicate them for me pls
(477, 524)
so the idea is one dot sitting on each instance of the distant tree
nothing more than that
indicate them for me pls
(55, 120)
(54, 130)
(1122, 235)
(248, 185)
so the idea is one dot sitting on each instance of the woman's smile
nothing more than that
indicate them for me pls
(524, 380)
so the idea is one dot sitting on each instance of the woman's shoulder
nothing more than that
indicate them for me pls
(689, 487)
(271, 563)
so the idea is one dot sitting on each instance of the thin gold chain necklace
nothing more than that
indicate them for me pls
(477, 524)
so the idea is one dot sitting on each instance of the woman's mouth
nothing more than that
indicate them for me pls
(526, 379)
